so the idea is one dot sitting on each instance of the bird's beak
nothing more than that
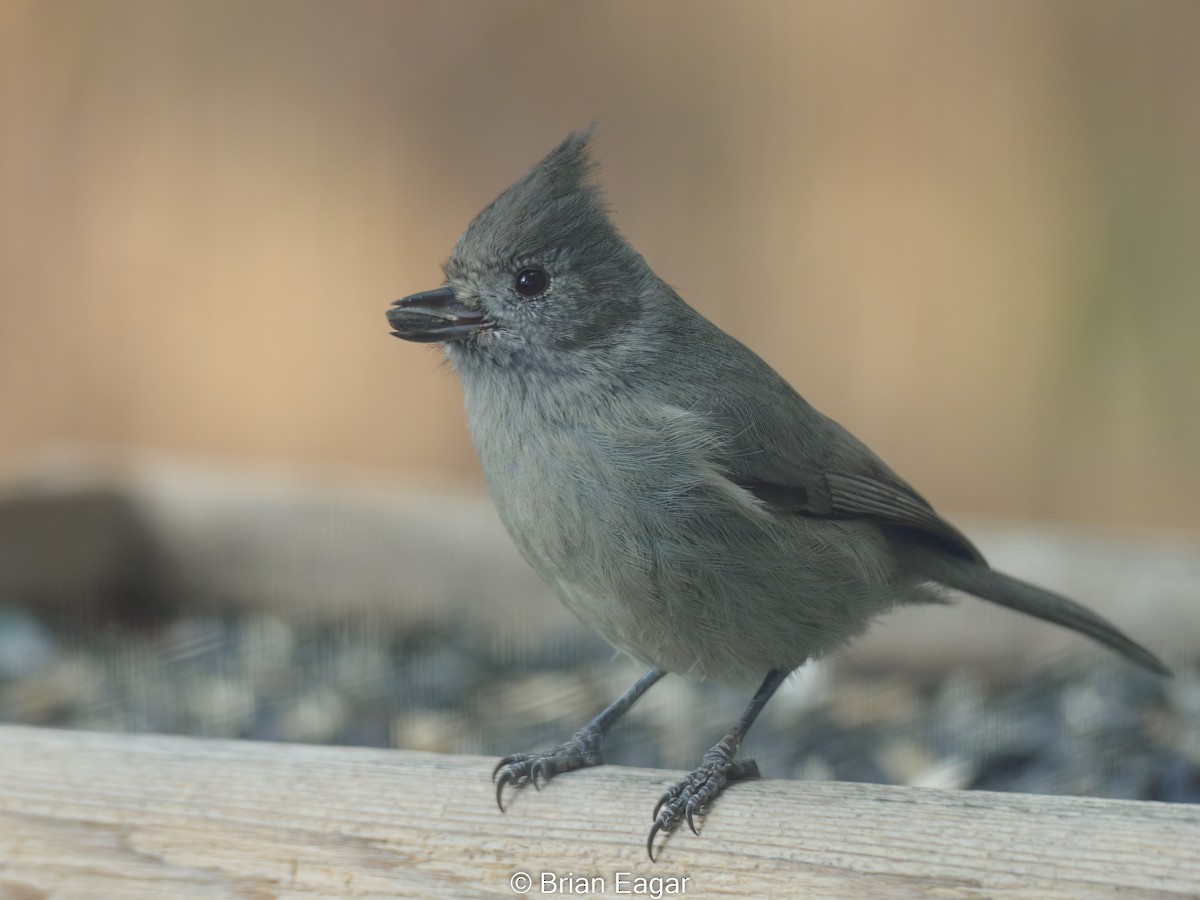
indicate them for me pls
(435, 316)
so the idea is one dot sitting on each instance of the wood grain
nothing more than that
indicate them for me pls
(99, 815)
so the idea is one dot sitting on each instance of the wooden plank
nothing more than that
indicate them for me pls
(98, 815)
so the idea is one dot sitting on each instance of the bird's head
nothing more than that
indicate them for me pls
(540, 279)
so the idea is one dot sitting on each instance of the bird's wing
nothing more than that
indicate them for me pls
(832, 495)
(800, 462)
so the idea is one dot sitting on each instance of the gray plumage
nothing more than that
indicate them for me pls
(676, 493)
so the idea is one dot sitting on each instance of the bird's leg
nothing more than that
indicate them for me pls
(581, 751)
(717, 769)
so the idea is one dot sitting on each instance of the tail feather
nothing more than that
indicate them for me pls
(988, 584)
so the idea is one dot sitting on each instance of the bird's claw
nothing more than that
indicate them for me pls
(694, 794)
(581, 751)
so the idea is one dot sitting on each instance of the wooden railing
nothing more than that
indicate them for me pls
(108, 816)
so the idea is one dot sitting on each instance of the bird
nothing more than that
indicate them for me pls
(674, 491)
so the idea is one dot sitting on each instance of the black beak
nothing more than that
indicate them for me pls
(435, 316)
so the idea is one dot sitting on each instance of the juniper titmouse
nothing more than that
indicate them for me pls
(669, 486)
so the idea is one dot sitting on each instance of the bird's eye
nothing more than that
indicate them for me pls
(531, 281)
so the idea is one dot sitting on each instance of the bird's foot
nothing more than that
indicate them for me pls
(581, 751)
(696, 792)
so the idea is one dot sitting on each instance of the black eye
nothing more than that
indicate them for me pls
(531, 281)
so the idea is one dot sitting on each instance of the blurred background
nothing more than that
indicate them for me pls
(970, 232)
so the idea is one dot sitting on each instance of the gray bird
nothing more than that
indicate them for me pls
(675, 492)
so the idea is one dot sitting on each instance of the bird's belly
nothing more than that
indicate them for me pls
(672, 594)
(650, 546)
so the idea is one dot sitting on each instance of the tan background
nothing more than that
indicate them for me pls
(971, 232)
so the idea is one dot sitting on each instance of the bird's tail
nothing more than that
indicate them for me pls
(988, 584)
